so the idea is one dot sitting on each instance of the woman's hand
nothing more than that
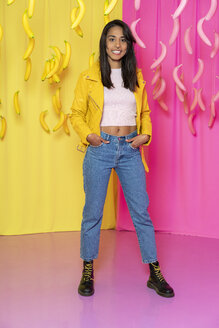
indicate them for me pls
(95, 140)
(139, 140)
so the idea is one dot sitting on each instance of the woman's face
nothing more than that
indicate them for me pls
(116, 46)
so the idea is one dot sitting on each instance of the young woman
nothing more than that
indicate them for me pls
(110, 113)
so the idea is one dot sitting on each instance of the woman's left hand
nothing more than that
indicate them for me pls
(139, 140)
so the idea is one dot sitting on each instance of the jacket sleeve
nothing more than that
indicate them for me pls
(146, 126)
(79, 110)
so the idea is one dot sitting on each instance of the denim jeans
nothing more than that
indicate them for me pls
(97, 166)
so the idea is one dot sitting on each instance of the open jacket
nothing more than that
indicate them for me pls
(88, 103)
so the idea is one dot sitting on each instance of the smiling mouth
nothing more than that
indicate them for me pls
(116, 52)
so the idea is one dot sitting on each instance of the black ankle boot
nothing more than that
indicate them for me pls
(156, 281)
(86, 287)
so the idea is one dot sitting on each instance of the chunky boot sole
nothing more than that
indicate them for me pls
(152, 286)
(85, 294)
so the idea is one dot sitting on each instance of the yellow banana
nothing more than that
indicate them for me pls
(80, 15)
(60, 122)
(3, 128)
(16, 103)
(77, 29)
(1, 32)
(26, 25)
(67, 55)
(91, 59)
(56, 78)
(51, 66)
(57, 51)
(42, 121)
(61, 65)
(58, 101)
(110, 7)
(57, 110)
(65, 125)
(106, 17)
(54, 68)
(10, 2)
(28, 69)
(30, 9)
(30, 47)
(46, 70)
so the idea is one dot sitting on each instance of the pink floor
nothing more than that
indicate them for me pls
(39, 275)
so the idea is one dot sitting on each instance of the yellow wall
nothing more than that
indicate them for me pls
(41, 174)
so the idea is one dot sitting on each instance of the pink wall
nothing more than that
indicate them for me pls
(183, 181)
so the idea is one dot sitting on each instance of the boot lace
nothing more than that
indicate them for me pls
(88, 270)
(158, 272)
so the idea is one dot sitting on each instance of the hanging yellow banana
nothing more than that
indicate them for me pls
(106, 17)
(10, 2)
(3, 128)
(91, 59)
(16, 103)
(56, 78)
(46, 70)
(26, 25)
(30, 47)
(60, 122)
(57, 98)
(1, 32)
(110, 7)
(80, 15)
(30, 9)
(55, 68)
(67, 55)
(42, 121)
(28, 69)
(57, 110)
(77, 29)
(61, 65)
(65, 125)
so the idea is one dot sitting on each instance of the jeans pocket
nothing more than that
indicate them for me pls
(130, 146)
(97, 146)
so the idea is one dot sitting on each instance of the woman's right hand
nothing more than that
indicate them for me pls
(95, 140)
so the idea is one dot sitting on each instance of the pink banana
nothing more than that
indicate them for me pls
(161, 89)
(175, 31)
(190, 122)
(212, 10)
(137, 4)
(156, 75)
(157, 86)
(200, 71)
(176, 78)
(213, 112)
(200, 100)
(195, 100)
(211, 121)
(179, 93)
(161, 57)
(187, 40)
(133, 29)
(216, 45)
(201, 32)
(185, 104)
(162, 104)
(180, 8)
(216, 96)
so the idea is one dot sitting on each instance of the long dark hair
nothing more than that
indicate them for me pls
(128, 63)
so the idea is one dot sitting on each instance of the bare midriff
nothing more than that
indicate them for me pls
(118, 130)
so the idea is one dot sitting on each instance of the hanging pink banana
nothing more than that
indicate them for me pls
(157, 86)
(201, 32)
(211, 121)
(190, 123)
(176, 78)
(133, 29)
(213, 112)
(175, 31)
(216, 96)
(187, 40)
(195, 100)
(180, 8)
(212, 10)
(179, 93)
(137, 4)
(161, 89)
(200, 71)
(186, 104)
(162, 104)
(161, 57)
(200, 100)
(156, 75)
(216, 45)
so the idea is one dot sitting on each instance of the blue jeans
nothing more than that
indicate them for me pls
(97, 166)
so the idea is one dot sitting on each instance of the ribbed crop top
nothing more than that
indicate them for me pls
(119, 103)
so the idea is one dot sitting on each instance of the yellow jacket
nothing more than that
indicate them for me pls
(87, 106)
